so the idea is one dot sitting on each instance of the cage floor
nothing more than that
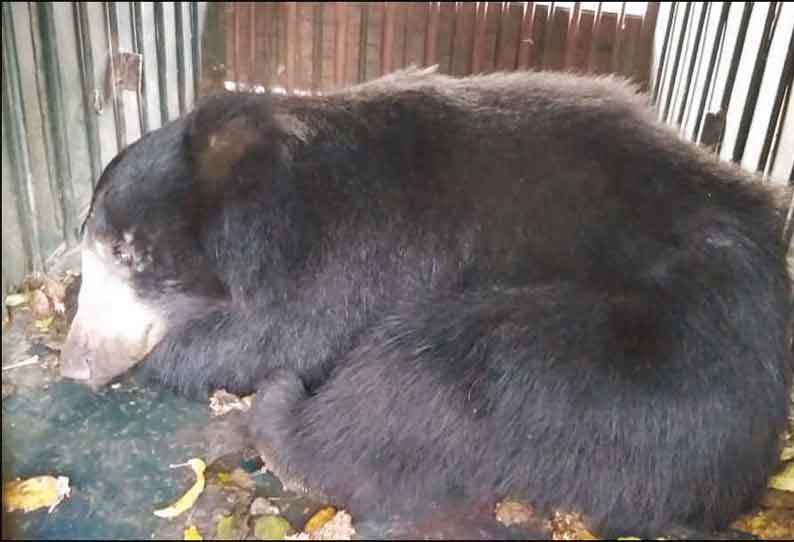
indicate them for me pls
(116, 445)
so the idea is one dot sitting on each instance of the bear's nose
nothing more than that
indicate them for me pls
(75, 363)
(76, 369)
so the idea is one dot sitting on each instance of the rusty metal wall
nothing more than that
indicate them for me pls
(317, 46)
(81, 80)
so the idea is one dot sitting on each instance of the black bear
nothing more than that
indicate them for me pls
(513, 284)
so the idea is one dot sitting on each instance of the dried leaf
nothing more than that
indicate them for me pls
(775, 498)
(768, 524)
(513, 513)
(262, 506)
(17, 300)
(34, 493)
(238, 477)
(55, 290)
(192, 533)
(787, 454)
(8, 389)
(271, 528)
(189, 498)
(44, 324)
(569, 526)
(223, 402)
(319, 519)
(242, 479)
(784, 481)
(40, 304)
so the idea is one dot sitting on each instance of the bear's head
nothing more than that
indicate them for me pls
(145, 270)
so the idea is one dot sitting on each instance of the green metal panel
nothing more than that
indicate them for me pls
(63, 119)
(732, 89)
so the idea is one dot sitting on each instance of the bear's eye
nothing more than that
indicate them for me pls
(122, 255)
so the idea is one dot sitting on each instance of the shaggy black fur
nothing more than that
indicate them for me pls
(510, 284)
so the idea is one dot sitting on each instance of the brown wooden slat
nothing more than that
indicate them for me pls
(464, 33)
(495, 20)
(274, 40)
(557, 34)
(244, 39)
(375, 18)
(228, 25)
(328, 48)
(478, 47)
(540, 25)
(252, 75)
(363, 39)
(604, 43)
(291, 20)
(415, 33)
(397, 36)
(354, 50)
(340, 43)
(304, 47)
(431, 36)
(631, 44)
(642, 71)
(591, 54)
(279, 39)
(570, 39)
(584, 41)
(261, 54)
(549, 36)
(446, 24)
(525, 48)
(492, 29)
(511, 35)
(615, 65)
(387, 46)
(317, 44)
(399, 47)
(236, 68)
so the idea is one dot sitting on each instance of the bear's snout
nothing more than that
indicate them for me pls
(75, 359)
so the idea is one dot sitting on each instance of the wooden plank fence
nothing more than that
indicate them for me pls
(315, 46)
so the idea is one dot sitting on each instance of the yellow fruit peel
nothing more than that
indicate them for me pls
(17, 300)
(319, 519)
(186, 501)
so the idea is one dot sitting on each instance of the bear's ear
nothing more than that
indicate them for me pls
(227, 131)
